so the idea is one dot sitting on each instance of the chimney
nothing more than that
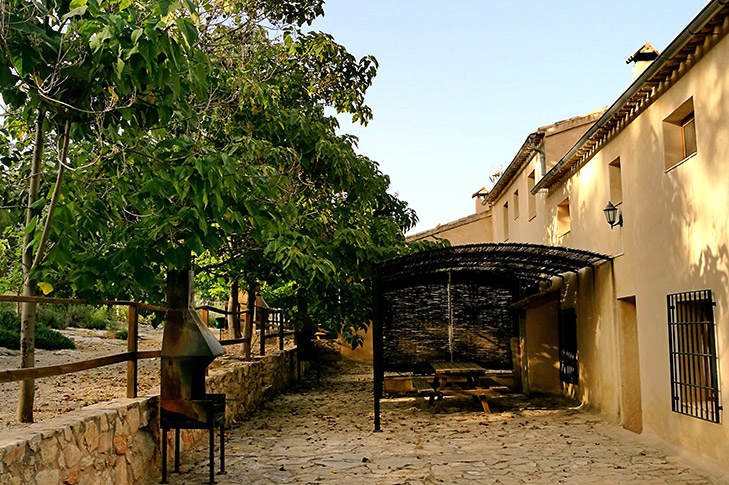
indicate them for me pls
(480, 197)
(641, 59)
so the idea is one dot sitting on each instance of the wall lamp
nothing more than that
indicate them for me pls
(613, 215)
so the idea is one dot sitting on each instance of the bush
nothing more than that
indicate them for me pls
(121, 334)
(53, 316)
(9, 340)
(45, 337)
(79, 316)
(50, 339)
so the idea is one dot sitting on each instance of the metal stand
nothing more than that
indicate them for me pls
(211, 436)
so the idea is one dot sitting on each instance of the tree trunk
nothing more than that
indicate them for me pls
(248, 327)
(28, 310)
(234, 320)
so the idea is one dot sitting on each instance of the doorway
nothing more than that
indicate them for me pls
(630, 395)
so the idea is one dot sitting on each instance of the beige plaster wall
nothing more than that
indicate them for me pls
(473, 229)
(675, 238)
(541, 348)
(362, 353)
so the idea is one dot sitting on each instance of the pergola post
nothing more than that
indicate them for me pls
(377, 350)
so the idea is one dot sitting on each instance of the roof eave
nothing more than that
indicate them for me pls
(522, 155)
(554, 174)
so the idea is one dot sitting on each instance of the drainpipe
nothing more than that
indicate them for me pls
(542, 158)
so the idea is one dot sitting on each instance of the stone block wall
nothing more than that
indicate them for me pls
(118, 442)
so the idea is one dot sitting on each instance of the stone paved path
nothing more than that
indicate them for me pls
(323, 434)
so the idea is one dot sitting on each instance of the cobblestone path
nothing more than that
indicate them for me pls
(323, 434)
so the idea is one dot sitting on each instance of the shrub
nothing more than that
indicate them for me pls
(121, 334)
(53, 316)
(9, 339)
(45, 337)
(50, 339)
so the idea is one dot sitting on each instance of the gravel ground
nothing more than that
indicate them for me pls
(65, 393)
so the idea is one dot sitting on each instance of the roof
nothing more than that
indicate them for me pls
(529, 263)
(531, 144)
(707, 28)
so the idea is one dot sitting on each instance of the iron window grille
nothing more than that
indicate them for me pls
(692, 348)
(567, 330)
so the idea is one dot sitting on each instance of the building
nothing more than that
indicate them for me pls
(643, 337)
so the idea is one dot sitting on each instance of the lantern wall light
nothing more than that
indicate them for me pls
(613, 215)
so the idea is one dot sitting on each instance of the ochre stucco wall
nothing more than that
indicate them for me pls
(541, 348)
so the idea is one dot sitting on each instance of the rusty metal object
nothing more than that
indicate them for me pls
(188, 347)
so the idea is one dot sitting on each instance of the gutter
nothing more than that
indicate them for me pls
(677, 44)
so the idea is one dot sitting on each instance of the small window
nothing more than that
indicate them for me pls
(531, 182)
(692, 350)
(506, 221)
(679, 134)
(567, 334)
(564, 220)
(516, 204)
(616, 182)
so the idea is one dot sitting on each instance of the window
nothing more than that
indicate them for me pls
(616, 182)
(567, 330)
(688, 135)
(564, 220)
(516, 204)
(506, 221)
(692, 350)
(531, 182)
(679, 134)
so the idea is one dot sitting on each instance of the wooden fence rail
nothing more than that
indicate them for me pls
(133, 354)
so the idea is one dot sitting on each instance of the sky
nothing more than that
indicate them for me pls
(461, 83)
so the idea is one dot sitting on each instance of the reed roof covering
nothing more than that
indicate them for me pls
(528, 263)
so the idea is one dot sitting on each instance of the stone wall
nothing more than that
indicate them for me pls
(118, 442)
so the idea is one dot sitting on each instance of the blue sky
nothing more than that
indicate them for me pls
(461, 83)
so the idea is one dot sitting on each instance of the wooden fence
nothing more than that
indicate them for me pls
(133, 354)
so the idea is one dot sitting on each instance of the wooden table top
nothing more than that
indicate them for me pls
(456, 367)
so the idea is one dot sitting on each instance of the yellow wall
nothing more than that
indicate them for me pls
(473, 229)
(675, 238)
(541, 348)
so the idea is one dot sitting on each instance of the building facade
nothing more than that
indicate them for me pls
(643, 337)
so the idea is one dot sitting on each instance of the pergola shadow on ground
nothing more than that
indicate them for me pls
(321, 433)
(453, 304)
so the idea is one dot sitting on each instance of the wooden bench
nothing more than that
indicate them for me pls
(423, 387)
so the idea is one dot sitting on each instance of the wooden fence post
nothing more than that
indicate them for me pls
(261, 314)
(279, 315)
(205, 316)
(133, 347)
(248, 334)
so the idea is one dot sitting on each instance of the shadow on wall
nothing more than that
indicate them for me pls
(542, 348)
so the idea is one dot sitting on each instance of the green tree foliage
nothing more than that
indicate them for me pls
(144, 135)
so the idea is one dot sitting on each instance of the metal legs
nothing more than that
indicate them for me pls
(177, 450)
(211, 437)
(164, 456)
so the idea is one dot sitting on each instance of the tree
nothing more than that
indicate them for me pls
(188, 130)
(73, 71)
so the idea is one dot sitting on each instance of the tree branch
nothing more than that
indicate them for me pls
(40, 253)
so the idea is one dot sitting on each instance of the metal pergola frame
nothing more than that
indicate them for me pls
(520, 264)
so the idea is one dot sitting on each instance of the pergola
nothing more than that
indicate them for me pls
(454, 304)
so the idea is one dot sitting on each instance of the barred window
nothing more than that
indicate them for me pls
(692, 342)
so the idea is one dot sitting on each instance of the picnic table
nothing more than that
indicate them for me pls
(463, 379)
